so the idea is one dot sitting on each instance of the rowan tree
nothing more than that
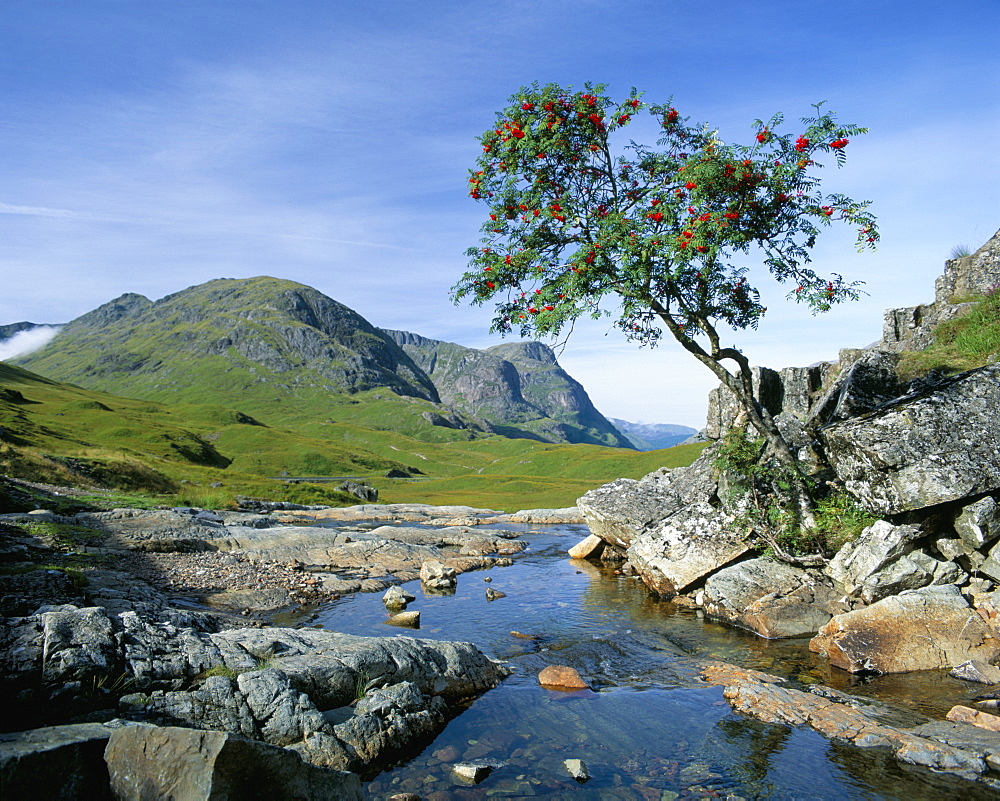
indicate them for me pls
(667, 239)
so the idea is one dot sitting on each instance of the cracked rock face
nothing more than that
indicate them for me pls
(276, 685)
(922, 451)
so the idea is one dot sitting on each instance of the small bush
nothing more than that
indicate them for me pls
(839, 520)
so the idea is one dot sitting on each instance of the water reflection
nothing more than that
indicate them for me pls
(649, 729)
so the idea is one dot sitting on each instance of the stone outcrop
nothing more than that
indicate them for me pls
(171, 762)
(943, 445)
(925, 629)
(275, 685)
(922, 454)
(913, 328)
(770, 598)
(957, 748)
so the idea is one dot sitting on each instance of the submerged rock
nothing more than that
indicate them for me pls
(577, 769)
(562, 677)
(472, 772)
(406, 620)
(956, 748)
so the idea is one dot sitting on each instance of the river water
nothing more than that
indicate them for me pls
(648, 728)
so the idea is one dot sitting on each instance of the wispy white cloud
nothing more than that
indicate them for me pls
(329, 146)
(24, 342)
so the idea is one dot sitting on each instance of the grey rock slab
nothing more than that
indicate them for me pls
(770, 598)
(624, 509)
(55, 762)
(147, 762)
(689, 545)
(920, 451)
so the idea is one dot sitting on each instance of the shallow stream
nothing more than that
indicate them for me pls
(648, 728)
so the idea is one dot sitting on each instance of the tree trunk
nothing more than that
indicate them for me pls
(742, 388)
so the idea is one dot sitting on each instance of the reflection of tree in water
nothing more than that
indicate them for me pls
(755, 743)
(878, 768)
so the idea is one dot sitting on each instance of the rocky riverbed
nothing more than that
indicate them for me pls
(160, 617)
(131, 632)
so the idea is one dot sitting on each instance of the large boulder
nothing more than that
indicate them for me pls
(670, 523)
(769, 598)
(940, 446)
(691, 544)
(927, 629)
(187, 765)
(55, 762)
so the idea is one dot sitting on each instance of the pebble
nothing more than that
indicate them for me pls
(211, 572)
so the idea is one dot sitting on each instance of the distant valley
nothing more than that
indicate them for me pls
(266, 377)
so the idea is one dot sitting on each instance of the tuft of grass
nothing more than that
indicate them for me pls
(218, 670)
(839, 520)
(960, 251)
(964, 343)
(74, 574)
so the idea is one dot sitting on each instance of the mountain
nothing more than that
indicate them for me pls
(7, 331)
(287, 354)
(653, 436)
(514, 389)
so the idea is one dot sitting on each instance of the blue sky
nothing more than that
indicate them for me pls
(150, 146)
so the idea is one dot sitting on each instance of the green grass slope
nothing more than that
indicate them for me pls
(60, 433)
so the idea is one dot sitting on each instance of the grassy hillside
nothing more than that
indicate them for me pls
(964, 343)
(59, 433)
(291, 356)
